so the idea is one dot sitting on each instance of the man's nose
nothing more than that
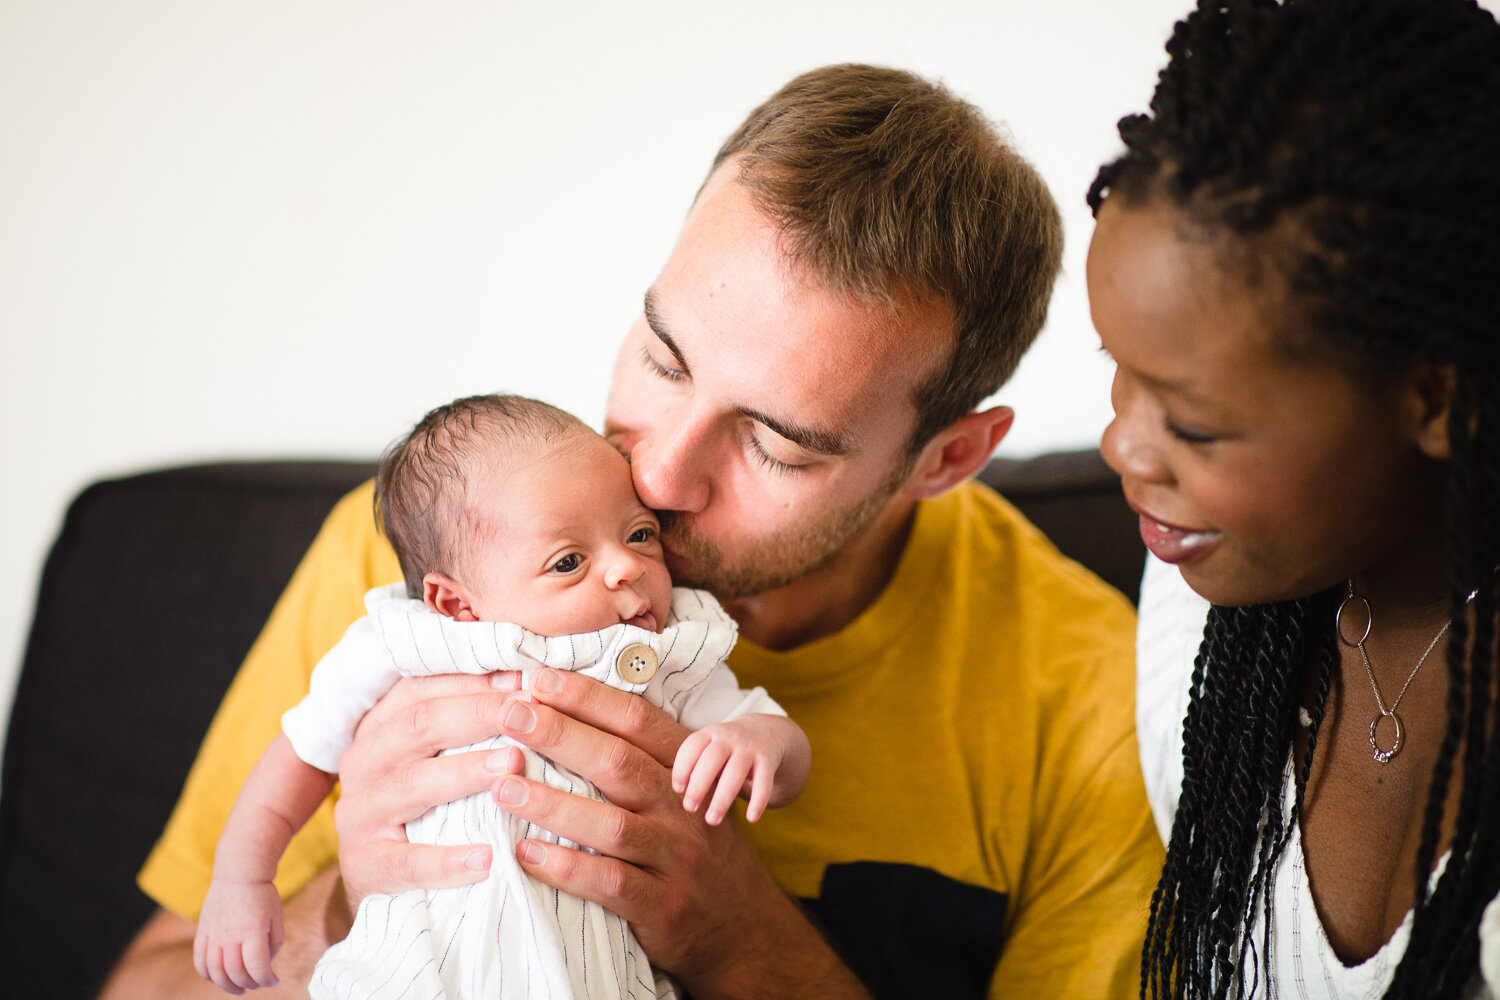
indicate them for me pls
(670, 463)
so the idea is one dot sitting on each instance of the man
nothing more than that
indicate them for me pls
(865, 263)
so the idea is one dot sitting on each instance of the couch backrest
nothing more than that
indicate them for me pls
(151, 596)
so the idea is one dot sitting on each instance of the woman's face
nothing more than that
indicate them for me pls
(1263, 477)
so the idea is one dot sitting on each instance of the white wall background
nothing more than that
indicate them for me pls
(289, 227)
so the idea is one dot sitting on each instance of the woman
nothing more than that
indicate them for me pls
(1297, 270)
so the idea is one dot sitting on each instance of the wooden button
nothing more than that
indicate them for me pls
(637, 663)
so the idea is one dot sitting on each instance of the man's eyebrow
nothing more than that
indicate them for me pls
(807, 438)
(811, 439)
(659, 327)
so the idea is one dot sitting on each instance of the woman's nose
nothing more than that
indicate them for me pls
(1129, 444)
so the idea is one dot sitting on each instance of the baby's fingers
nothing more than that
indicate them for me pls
(234, 968)
(258, 952)
(218, 969)
(200, 954)
(761, 782)
(705, 772)
(730, 783)
(687, 756)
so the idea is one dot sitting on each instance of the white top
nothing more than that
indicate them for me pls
(1302, 962)
(399, 637)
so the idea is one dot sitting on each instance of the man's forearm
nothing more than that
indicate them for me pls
(784, 957)
(158, 965)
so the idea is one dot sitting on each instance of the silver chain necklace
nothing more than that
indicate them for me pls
(1383, 756)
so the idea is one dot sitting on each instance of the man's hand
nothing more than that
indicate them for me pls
(696, 895)
(391, 774)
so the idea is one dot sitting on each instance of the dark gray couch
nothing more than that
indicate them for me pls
(152, 594)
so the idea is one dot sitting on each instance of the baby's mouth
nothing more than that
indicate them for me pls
(645, 620)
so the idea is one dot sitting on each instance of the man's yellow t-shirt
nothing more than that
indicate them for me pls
(975, 822)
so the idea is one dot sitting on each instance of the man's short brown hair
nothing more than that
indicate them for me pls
(886, 185)
(421, 480)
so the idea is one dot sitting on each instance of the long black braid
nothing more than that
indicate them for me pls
(1371, 128)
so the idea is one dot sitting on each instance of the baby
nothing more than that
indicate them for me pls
(523, 544)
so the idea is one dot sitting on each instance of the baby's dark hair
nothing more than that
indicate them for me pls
(421, 480)
(1351, 145)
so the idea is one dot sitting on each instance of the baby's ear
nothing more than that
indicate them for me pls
(448, 597)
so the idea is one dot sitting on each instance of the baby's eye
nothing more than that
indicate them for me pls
(567, 564)
(641, 535)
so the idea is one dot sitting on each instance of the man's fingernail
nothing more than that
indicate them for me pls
(498, 762)
(505, 680)
(546, 681)
(477, 860)
(532, 853)
(512, 792)
(520, 718)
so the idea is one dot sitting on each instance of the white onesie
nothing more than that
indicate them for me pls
(509, 936)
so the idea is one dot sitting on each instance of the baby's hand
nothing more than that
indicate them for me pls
(239, 932)
(726, 758)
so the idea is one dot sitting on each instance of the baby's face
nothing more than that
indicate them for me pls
(561, 544)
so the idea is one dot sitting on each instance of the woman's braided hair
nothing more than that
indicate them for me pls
(1354, 144)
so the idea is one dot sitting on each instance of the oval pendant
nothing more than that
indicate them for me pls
(1384, 756)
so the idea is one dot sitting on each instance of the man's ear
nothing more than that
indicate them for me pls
(1430, 391)
(957, 451)
(448, 597)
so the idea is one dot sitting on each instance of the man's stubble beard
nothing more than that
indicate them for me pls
(774, 562)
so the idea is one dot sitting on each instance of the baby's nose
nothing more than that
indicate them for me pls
(624, 568)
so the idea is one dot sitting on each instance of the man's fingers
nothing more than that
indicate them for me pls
(624, 773)
(400, 866)
(409, 790)
(410, 690)
(623, 888)
(605, 827)
(392, 774)
(626, 715)
(422, 729)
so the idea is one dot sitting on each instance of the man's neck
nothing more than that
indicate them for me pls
(830, 597)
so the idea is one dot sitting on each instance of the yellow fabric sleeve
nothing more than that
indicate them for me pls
(326, 594)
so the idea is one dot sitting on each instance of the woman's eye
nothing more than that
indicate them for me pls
(568, 563)
(1188, 436)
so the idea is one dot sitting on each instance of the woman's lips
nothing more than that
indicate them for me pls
(1175, 545)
